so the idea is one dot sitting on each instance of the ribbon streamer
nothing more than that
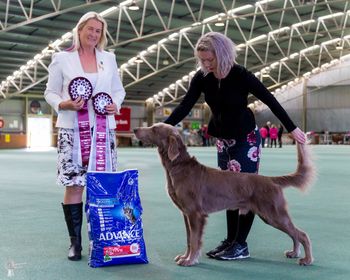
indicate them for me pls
(101, 153)
(77, 87)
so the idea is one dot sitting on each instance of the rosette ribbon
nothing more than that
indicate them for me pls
(81, 86)
(100, 158)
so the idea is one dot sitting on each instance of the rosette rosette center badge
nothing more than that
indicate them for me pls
(100, 101)
(80, 86)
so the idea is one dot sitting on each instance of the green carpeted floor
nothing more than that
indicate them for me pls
(34, 239)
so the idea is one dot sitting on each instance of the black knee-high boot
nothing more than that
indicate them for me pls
(73, 214)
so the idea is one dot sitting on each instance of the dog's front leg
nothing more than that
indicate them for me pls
(188, 232)
(196, 222)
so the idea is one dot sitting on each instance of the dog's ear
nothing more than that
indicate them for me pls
(173, 149)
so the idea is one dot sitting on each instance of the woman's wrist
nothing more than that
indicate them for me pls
(60, 106)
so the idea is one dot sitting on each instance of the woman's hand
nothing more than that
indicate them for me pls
(73, 105)
(299, 135)
(111, 109)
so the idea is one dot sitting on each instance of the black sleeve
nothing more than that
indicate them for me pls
(190, 99)
(262, 93)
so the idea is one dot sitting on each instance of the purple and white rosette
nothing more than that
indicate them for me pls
(81, 86)
(100, 101)
(101, 152)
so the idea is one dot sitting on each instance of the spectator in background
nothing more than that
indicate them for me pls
(280, 133)
(263, 134)
(267, 126)
(204, 134)
(273, 136)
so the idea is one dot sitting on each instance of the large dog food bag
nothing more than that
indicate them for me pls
(113, 211)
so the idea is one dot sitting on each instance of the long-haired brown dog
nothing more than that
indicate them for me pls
(198, 190)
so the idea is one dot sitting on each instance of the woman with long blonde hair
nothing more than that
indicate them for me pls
(87, 64)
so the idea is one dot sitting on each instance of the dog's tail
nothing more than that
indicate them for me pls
(305, 174)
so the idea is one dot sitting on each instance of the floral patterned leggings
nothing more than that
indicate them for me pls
(70, 173)
(239, 156)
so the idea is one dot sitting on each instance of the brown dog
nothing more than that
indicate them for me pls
(198, 190)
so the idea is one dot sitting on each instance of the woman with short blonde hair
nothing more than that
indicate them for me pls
(226, 86)
(222, 47)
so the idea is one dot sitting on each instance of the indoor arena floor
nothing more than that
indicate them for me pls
(34, 239)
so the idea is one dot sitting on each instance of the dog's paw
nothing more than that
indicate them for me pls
(179, 257)
(305, 261)
(187, 262)
(292, 254)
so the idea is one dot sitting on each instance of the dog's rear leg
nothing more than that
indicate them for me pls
(284, 223)
(296, 244)
(196, 222)
(188, 232)
(298, 237)
(305, 240)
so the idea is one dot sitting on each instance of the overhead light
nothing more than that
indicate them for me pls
(152, 48)
(220, 22)
(133, 6)
(306, 22)
(209, 19)
(330, 42)
(173, 36)
(239, 9)
(293, 55)
(309, 49)
(185, 78)
(108, 11)
(184, 30)
(316, 70)
(274, 65)
(261, 37)
(334, 61)
(196, 24)
(264, 2)
(279, 31)
(162, 41)
(331, 16)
